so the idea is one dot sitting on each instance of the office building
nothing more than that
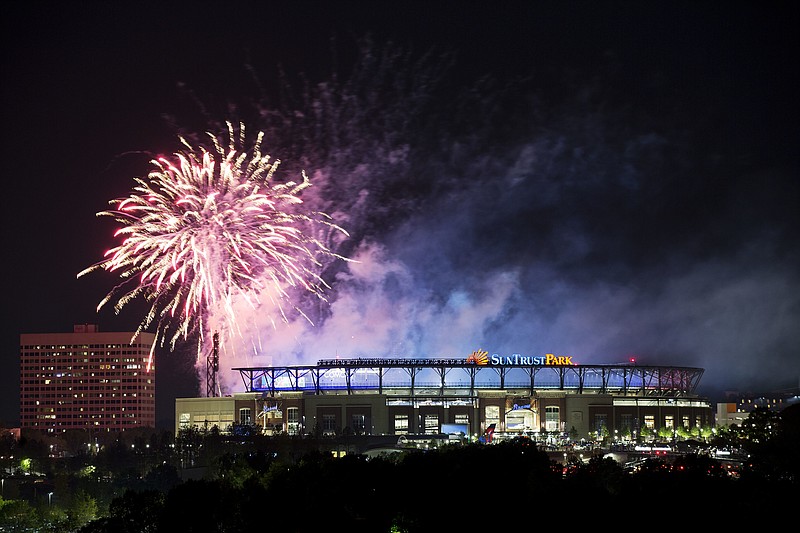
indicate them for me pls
(86, 379)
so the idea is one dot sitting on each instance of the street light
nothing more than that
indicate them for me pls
(49, 499)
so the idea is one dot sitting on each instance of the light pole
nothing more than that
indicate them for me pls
(49, 499)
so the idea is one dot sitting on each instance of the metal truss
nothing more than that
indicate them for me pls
(457, 377)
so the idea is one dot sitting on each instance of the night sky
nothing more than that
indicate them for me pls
(595, 179)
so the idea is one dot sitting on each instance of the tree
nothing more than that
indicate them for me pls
(573, 434)
(140, 510)
(683, 432)
(133, 512)
(646, 434)
(8, 449)
(187, 445)
(18, 515)
(54, 518)
(75, 441)
(82, 509)
(598, 473)
(162, 477)
(603, 433)
(666, 432)
(760, 425)
(233, 470)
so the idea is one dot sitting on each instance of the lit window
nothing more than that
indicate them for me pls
(293, 420)
(431, 423)
(400, 424)
(492, 413)
(552, 418)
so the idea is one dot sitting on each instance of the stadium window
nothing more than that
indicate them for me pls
(400, 424)
(492, 414)
(293, 420)
(552, 418)
(626, 422)
(600, 422)
(358, 423)
(431, 423)
(328, 424)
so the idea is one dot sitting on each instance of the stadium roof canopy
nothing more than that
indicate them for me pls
(462, 377)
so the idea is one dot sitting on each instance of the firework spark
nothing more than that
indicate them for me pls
(209, 229)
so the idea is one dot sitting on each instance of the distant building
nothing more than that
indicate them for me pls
(14, 432)
(86, 379)
(739, 406)
(728, 415)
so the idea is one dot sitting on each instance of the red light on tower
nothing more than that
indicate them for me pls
(632, 360)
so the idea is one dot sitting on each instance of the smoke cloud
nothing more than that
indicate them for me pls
(494, 215)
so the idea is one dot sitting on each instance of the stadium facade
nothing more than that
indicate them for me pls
(511, 393)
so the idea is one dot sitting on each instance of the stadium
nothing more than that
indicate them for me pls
(511, 395)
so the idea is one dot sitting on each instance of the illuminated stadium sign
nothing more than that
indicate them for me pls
(481, 357)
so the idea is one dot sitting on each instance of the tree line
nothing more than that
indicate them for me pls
(198, 481)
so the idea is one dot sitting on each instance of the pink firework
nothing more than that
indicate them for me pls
(208, 230)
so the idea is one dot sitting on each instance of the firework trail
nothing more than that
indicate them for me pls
(211, 229)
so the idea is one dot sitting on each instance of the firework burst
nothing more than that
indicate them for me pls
(210, 229)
